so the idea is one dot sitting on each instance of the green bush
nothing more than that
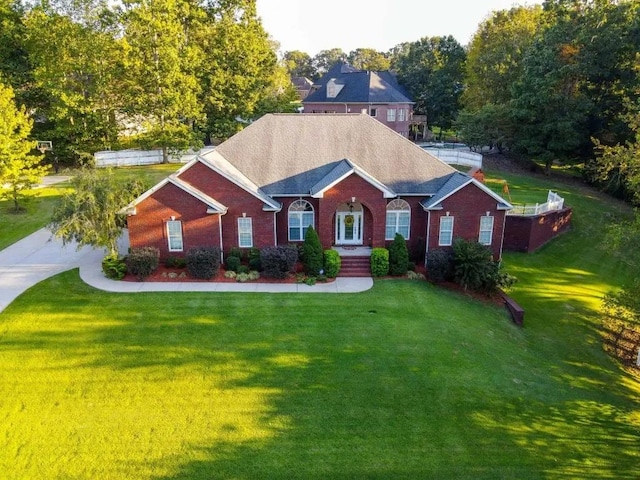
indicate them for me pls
(142, 262)
(243, 269)
(175, 262)
(236, 252)
(254, 259)
(379, 262)
(278, 262)
(312, 252)
(475, 269)
(203, 262)
(332, 263)
(398, 256)
(232, 263)
(440, 265)
(114, 267)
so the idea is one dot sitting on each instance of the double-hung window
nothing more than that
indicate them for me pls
(245, 232)
(300, 219)
(398, 219)
(402, 114)
(174, 235)
(446, 231)
(485, 236)
(391, 115)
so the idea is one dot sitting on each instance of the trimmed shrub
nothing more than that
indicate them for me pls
(114, 267)
(243, 269)
(411, 266)
(278, 262)
(230, 274)
(312, 252)
(474, 268)
(203, 262)
(175, 262)
(142, 262)
(232, 263)
(398, 256)
(332, 263)
(379, 262)
(254, 259)
(440, 265)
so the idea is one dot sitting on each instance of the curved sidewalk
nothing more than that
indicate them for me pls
(40, 256)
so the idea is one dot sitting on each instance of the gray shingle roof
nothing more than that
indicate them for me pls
(359, 86)
(287, 154)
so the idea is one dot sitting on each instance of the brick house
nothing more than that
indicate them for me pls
(355, 180)
(344, 89)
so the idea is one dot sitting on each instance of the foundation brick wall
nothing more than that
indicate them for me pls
(528, 233)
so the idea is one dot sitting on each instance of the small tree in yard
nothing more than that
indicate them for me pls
(19, 169)
(312, 252)
(89, 214)
(398, 256)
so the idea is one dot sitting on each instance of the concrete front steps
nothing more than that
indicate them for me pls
(355, 266)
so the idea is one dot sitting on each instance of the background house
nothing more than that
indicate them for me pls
(344, 89)
(357, 182)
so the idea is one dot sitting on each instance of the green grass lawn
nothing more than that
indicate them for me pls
(403, 381)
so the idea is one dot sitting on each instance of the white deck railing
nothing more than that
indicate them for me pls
(456, 157)
(554, 202)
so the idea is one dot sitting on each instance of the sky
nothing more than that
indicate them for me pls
(314, 25)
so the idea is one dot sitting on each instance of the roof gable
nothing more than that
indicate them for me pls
(341, 171)
(213, 205)
(455, 183)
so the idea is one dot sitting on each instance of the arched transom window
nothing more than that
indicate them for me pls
(398, 219)
(300, 217)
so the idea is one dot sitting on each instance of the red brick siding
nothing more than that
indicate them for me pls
(417, 229)
(467, 205)
(381, 114)
(527, 234)
(373, 203)
(148, 226)
(238, 201)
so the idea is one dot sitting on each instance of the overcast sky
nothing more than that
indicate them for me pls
(314, 25)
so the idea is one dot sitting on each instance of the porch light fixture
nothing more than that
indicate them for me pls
(350, 204)
(172, 217)
(244, 214)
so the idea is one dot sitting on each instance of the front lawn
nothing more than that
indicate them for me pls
(403, 381)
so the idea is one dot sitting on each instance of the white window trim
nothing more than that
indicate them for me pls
(177, 235)
(488, 230)
(248, 228)
(396, 213)
(391, 115)
(299, 213)
(449, 232)
(373, 112)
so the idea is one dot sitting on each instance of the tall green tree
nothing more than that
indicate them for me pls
(89, 214)
(161, 64)
(299, 64)
(325, 59)
(432, 70)
(15, 69)
(368, 59)
(495, 54)
(239, 68)
(19, 168)
(76, 67)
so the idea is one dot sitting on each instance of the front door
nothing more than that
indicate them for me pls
(348, 228)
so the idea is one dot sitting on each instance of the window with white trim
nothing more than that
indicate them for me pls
(373, 112)
(391, 115)
(446, 231)
(485, 237)
(174, 235)
(398, 219)
(301, 216)
(402, 114)
(245, 232)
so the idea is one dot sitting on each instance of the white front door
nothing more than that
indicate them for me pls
(349, 228)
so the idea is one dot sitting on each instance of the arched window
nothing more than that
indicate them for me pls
(398, 219)
(300, 217)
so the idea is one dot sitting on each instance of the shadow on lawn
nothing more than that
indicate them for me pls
(363, 392)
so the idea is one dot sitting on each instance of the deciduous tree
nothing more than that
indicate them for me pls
(19, 168)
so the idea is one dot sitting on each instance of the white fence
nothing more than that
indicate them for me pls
(554, 202)
(456, 157)
(130, 158)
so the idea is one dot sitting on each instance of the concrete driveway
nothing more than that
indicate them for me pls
(35, 258)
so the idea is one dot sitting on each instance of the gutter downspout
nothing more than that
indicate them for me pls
(220, 230)
(504, 226)
(426, 250)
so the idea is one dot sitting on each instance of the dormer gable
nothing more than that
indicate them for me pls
(333, 88)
